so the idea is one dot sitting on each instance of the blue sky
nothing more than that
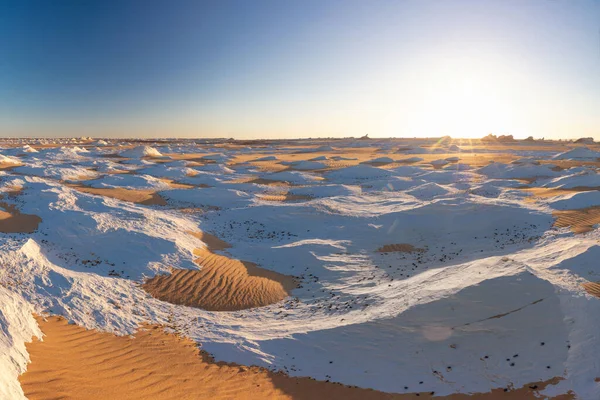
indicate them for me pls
(300, 68)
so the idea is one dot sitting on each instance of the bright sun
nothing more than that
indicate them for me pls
(463, 100)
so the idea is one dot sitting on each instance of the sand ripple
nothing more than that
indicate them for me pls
(74, 363)
(580, 221)
(223, 284)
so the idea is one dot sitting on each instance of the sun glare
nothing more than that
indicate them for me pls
(466, 100)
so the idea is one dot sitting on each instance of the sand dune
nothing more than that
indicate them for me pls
(546, 193)
(580, 220)
(223, 284)
(476, 156)
(177, 185)
(399, 247)
(138, 196)
(592, 288)
(74, 363)
(212, 242)
(283, 197)
(12, 221)
(269, 166)
(6, 166)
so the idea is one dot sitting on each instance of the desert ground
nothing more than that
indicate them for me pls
(299, 269)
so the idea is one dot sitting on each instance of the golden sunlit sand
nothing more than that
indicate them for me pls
(592, 288)
(580, 220)
(139, 196)
(212, 242)
(222, 284)
(73, 363)
(547, 193)
(283, 197)
(176, 185)
(13, 221)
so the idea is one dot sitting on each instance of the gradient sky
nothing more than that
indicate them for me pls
(300, 68)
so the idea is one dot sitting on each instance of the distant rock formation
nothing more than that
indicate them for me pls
(502, 138)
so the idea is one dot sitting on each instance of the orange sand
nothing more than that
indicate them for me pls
(283, 197)
(12, 221)
(592, 288)
(223, 284)
(546, 193)
(580, 221)
(363, 155)
(176, 185)
(145, 197)
(8, 166)
(212, 242)
(74, 363)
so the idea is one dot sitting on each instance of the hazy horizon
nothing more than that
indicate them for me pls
(270, 69)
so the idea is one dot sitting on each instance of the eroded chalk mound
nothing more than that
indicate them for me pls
(141, 151)
(223, 284)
